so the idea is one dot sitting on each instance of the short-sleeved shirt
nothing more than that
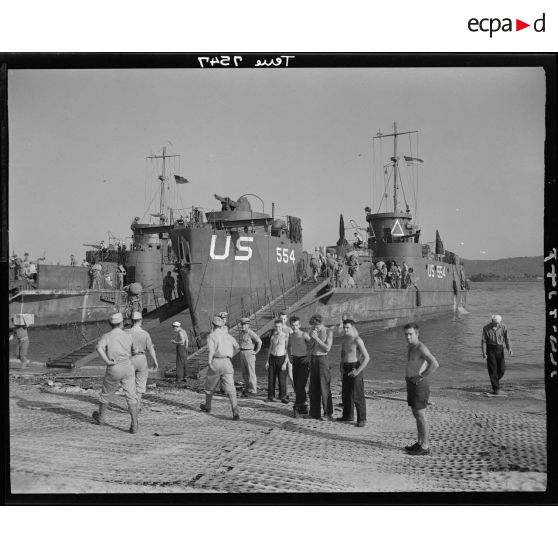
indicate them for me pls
(495, 336)
(222, 344)
(142, 340)
(118, 344)
(248, 339)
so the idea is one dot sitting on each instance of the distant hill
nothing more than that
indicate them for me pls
(523, 269)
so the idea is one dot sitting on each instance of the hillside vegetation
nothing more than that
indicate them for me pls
(527, 268)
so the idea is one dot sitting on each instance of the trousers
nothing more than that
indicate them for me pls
(496, 364)
(221, 371)
(320, 386)
(139, 362)
(352, 393)
(120, 374)
(275, 373)
(181, 355)
(301, 371)
(22, 348)
(248, 367)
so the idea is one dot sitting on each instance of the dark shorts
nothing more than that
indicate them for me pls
(418, 394)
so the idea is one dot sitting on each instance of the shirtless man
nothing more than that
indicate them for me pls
(354, 358)
(277, 361)
(420, 364)
(299, 342)
(320, 372)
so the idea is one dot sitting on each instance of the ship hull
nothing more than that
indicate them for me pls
(237, 272)
(59, 308)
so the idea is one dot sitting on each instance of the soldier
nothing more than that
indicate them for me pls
(277, 362)
(142, 343)
(298, 347)
(115, 349)
(224, 316)
(250, 345)
(180, 339)
(320, 373)
(285, 328)
(221, 348)
(354, 358)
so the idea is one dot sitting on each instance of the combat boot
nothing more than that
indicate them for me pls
(236, 416)
(133, 408)
(100, 415)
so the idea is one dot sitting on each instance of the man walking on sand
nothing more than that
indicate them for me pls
(142, 345)
(494, 337)
(115, 349)
(354, 358)
(420, 364)
(221, 347)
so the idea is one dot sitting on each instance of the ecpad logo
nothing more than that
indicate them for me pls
(494, 24)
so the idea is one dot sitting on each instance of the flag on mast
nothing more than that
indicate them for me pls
(180, 179)
(413, 160)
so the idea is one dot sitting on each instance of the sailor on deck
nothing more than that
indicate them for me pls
(142, 344)
(115, 349)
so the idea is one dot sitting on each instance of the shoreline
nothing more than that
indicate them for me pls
(479, 443)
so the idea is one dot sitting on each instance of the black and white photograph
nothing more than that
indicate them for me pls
(277, 275)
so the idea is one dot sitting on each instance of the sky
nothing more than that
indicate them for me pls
(298, 137)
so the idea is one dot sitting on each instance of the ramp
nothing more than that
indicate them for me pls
(87, 352)
(262, 321)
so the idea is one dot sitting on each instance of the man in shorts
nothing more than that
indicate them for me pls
(420, 364)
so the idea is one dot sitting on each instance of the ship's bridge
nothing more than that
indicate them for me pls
(394, 234)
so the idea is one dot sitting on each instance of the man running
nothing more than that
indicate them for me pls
(420, 364)
(354, 358)
(298, 348)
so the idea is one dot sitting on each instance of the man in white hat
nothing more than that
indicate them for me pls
(250, 345)
(224, 316)
(221, 348)
(180, 339)
(115, 349)
(142, 344)
(494, 337)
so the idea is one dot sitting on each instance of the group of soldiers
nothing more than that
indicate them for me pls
(293, 354)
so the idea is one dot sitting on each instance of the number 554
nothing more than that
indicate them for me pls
(284, 256)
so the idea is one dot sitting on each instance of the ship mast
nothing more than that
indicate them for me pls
(394, 159)
(163, 179)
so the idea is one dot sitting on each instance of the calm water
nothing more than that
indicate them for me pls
(454, 340)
